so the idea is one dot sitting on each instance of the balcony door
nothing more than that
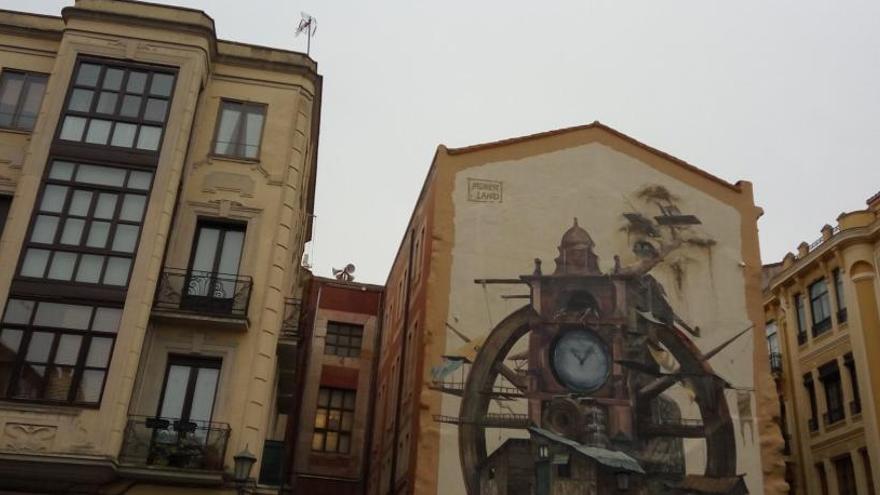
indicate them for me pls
(212, 280)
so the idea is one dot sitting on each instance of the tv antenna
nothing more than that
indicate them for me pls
(307, 24)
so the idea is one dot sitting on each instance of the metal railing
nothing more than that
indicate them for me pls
(818, 242)
(776, 362)
(290, 324)
(194, 291)
(151, 441)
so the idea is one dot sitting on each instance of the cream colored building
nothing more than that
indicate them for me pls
(823, 332)
(156, 189)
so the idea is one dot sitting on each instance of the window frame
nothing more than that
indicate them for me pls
(82, 249)
(192, 362)
(80, 365)
(327, 429)
(16, 114)
(823, 300)
(241, 129)
(93, 151)
(225, 225)
(350, 328)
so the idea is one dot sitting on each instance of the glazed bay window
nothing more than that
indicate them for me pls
(56, 353)
(239, 129)
(334, 420)
(117, 105)
(343, 339)
(21, 94)
(87, 224)
(820, 304)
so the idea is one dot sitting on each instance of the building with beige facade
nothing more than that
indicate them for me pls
(823, 335)
(156, 190)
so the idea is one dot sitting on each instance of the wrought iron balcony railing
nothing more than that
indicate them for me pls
(776, 362)
(173, 443)
(194, 291)
(290, 324)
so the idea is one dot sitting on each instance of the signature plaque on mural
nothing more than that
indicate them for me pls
(484, 191)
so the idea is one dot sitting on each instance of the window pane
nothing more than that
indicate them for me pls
(61, 170)
(336, 399)
(332, 441)
(347, 421)
(161, 84)
(155, 110)
(30, 382)
(148, 139)
(89, 269)
(139, 180)
(123, 135)
(252, 134)
(88, 75)
(206, 249)
(107, 102)
(79, 204)
(125, 238)
(331, 338)
(133, 208)
(73, 229)
(175, 391)
(59, 380)
(62, 266)
(349, 401)
(9, 95)
(53, 198)
(99, 131)
(231, 253)
(80, 100)
(131, 106)
(229, 121)
(106, 207)
(90, 386)
(44, 229)
(107, 319)
(10, 339)
(72, 129)
(334, 418)
(323, 397)
(18, 311)
(98, 234)
(39, 347)
(318, 441)
(105, 176)
(136, 82)
(73, 316)
(321, 418)
(99, 352)
(203, 395)
(34, 263)
(27, 115)
(113, 79)
(68, 349)
(117, 271)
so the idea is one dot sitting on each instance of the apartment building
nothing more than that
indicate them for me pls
(821, 308)
(336, 397)
(156, 190)
(575, 312)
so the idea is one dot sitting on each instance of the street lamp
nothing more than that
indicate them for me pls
(241, 472)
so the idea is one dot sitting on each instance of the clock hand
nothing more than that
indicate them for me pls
(580, 357)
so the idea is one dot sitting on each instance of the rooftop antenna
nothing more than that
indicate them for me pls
(307, 24)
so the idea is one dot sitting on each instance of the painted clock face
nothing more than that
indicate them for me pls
(580, 360)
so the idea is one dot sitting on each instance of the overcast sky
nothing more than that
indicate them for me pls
(785, 94)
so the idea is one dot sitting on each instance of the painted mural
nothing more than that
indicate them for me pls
(597, 339)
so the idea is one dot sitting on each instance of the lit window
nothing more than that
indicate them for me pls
(53, 352)
(21, 94)
(334, 420)
(239, 129)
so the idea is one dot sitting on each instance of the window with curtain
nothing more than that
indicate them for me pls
(239, 129)
(21, 94)
(54, 352)
(87, 224)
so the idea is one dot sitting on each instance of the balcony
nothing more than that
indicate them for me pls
(203, 297)
(833, 416)
(776, 362)
(172, 450)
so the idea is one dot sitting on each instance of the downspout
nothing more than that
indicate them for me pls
(392, 488)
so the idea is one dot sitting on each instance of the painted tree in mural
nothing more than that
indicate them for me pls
(603, 351)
